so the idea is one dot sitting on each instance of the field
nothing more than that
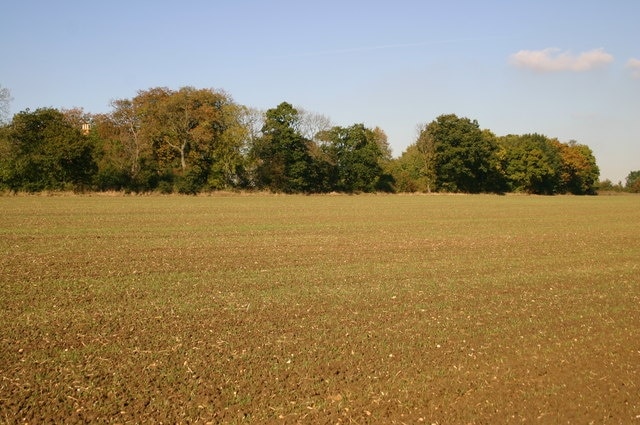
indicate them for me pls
(320, 309)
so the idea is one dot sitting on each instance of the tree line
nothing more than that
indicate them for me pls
(193, 140)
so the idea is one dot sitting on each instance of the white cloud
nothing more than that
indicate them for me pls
(634, 65)
(553, 59)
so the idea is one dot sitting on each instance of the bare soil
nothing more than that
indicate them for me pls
(324, 309)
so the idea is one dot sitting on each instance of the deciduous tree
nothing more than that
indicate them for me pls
(127, 122)
(48, 152)
(579, 172)
(356, 153)
(311, 124)
(408, 171)
(283, 156)
(464, 157)
(196, 134)
(633, 182)
(531, 163)
(422, 160)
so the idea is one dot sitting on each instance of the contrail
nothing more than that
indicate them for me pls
(387, 47)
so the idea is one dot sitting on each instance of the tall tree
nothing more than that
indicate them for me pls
(127, 122)
(380, 138)
(531, 163)
(412, 171)
(48, 152)
(228, 162)
(398, 169)
(283, 156)
(196, 134)
(579, 173)
(464, 157)
(179, 123)
(356, 154)
(423, 163)
(385, 182)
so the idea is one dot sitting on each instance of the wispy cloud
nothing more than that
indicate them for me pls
(553, 59)
(634, 65)
(369, 48)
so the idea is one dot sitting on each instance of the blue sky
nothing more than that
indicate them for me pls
(566, 69)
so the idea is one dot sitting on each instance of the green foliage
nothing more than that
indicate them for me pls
(355, 157)
(413, 171)
(111, 178)
(46, 152)
(165, 187)
(192, 181)
(608, 186)
(192, 140)
(531, 163)
(633, 182)
(453, 155)
(283, 156)
(459, 156)
(191, 128)
(189, 138)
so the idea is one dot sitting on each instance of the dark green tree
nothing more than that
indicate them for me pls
(464, 157)
(47, 152)
(283, 157)
(356, 154)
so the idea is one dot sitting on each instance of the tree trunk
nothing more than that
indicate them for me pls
(183, 162)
